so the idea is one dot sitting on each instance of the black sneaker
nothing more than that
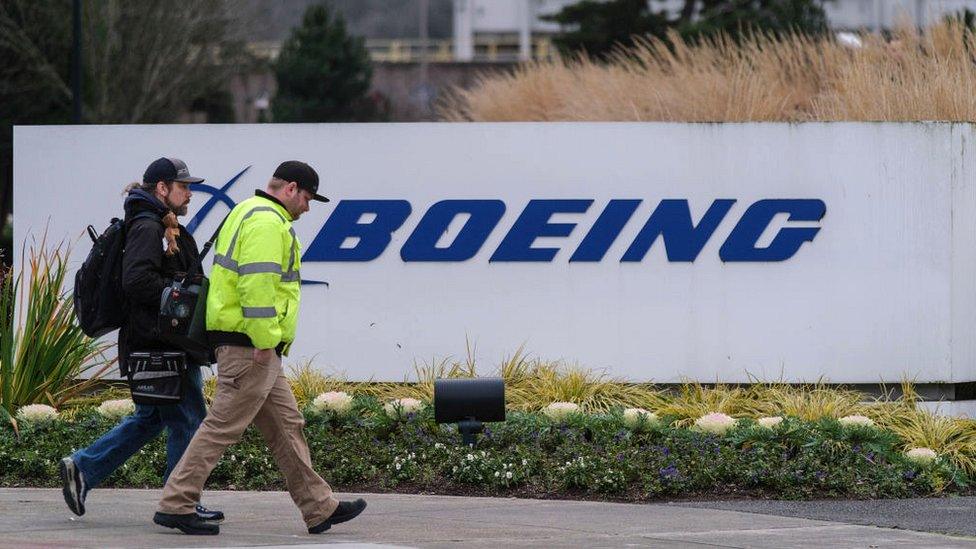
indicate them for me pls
(208, 515)
(73, 486)
(189, 523)
(347, 510)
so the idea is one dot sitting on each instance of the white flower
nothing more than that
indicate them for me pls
(856, 420)
(508, 474)
(402, 407)
(921, 455)
(560, 411)
(769, 422)
(116, 409)
(635, 418)
(36, 413)
(339, 402)
(715, 423)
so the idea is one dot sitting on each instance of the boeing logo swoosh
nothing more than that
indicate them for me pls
(218, 196)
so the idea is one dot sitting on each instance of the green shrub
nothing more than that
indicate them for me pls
(589, 456)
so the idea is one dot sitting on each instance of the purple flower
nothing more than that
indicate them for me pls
(909, 474)
(668, 472)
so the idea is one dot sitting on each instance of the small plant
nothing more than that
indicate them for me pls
(769, 422)
(560, 412)
(116, 409)
(637, 419)
(337, 402)
(856, 420)
(307, 383)
(402, 408)
(36, 414)
(715, 423)
(43, 352)
(922, 455)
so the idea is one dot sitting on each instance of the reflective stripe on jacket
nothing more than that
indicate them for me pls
(255, 281)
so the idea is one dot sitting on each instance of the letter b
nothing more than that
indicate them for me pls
(373, 237)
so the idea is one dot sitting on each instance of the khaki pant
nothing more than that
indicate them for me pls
(248, 391)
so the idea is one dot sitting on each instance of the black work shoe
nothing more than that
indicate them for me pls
(209, 515)
(347, 510)
(73, 486)
(189, 523)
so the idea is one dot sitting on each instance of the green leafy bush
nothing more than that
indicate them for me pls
(588, 456)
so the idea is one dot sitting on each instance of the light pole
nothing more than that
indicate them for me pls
(76, 63)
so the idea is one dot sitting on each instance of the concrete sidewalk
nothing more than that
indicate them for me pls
(32, 517)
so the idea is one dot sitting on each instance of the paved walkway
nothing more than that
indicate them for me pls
(33, 518)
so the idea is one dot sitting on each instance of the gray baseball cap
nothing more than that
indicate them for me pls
(169, 169)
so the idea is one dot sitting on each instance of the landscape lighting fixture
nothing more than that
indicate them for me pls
(469, 402)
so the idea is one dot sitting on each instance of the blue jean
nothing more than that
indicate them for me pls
(109, 452)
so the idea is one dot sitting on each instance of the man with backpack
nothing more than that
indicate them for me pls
(157, 249)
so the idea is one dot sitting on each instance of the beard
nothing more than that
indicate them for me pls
(178, 209)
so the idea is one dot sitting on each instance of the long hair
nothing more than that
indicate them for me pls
(172, 226)
(142, 186)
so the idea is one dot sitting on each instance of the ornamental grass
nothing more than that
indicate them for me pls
(532, 384)
(45, 358)
(909, 76)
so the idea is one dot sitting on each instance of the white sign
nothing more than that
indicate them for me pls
(656, 251)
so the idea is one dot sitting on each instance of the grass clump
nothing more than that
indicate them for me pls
(910, 76)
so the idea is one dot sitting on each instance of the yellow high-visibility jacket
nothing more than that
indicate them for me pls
(255, 282)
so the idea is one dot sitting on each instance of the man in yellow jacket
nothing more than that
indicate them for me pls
(252, 311)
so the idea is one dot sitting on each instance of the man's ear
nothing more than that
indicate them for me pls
(162, 188)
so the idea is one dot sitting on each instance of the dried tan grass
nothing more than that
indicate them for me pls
(307, 383)
(533, 383)
(928, 75)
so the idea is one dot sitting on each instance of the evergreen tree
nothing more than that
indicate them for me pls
(323, 73)
(734, 17)
(598, 27)
(595, 27)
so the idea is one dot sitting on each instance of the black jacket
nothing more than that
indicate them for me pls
(146, 271)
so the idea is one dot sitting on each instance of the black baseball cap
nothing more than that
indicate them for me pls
(169, 169)
(302, 174)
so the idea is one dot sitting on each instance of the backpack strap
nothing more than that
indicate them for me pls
(206, 249)
(145, 214)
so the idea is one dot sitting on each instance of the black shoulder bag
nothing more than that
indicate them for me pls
(183, 307)
(159, 377)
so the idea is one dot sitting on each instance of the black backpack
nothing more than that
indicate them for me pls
(99, 305)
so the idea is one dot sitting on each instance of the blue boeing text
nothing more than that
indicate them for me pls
(671, 221)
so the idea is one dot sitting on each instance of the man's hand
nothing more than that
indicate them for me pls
(264, 356)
